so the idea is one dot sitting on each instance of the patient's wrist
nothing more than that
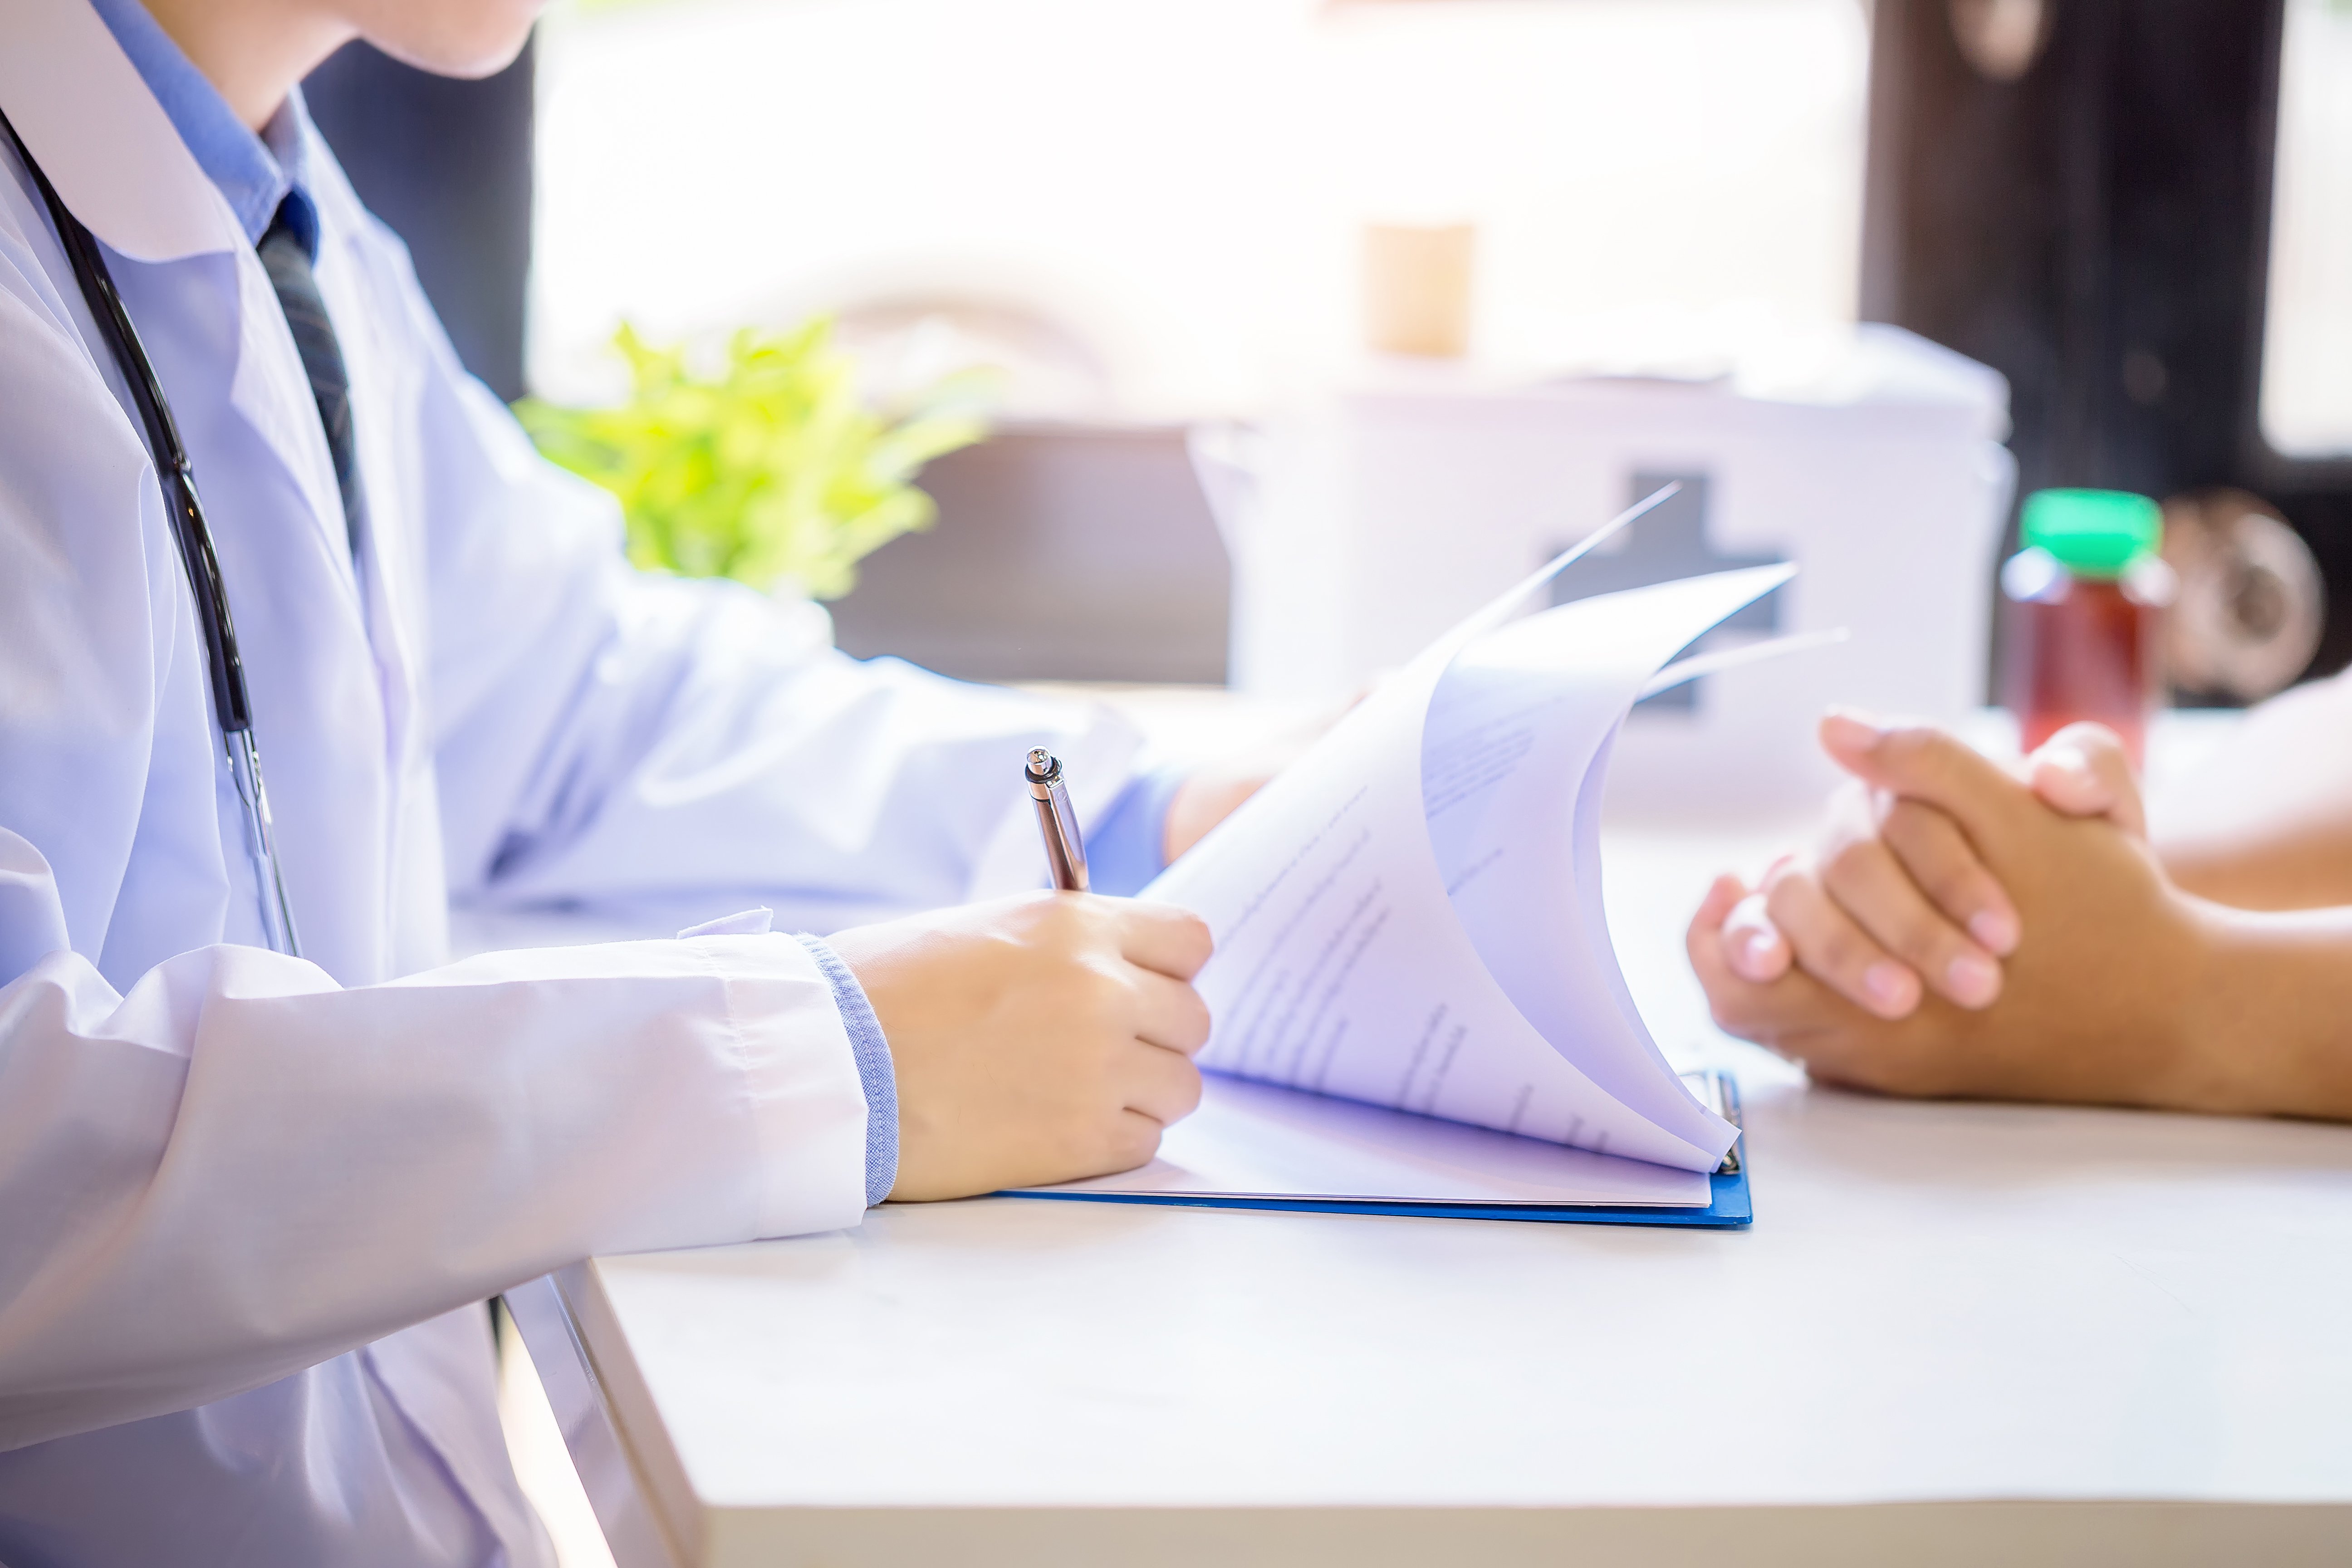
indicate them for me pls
(2208, 1067)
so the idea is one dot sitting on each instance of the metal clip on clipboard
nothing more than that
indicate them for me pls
(1720, 1094)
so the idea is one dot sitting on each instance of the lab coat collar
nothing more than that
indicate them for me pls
(104, 141)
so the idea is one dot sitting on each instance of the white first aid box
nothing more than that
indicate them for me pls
(1366, 520)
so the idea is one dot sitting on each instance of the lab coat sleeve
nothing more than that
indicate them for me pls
(218, 1166)
(610, 737)
(240, 1169)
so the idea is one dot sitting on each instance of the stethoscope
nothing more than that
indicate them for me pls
(177, 479)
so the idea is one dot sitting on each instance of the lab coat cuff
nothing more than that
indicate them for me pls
(1124, 846)
(875, 1071)
(807, 1102)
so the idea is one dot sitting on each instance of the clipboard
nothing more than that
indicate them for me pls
(1730, 1205)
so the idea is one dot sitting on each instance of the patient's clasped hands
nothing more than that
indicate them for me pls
(1961, 931)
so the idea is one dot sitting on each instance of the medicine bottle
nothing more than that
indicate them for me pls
(2084, 616)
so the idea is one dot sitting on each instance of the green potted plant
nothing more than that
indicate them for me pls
(774, 471)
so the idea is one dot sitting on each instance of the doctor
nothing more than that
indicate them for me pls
(250, 1202)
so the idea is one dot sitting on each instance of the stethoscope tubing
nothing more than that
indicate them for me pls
(175, 476)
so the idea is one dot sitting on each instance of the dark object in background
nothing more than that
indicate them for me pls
(2251, 605)
(2096, 226)
(448, 165)
(1061, 552)
(1670, 543)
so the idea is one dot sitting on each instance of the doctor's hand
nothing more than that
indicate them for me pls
(1038, 1038)
(1894, 902)
(2109, 992)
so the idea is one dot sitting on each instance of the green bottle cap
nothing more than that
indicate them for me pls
(2093, 533)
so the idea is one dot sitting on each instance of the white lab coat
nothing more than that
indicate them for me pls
(249, 1203)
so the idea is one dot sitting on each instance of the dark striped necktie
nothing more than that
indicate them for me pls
(287, 260)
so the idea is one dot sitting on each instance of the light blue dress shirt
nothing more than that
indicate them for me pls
(257, 174)
(1124, 846)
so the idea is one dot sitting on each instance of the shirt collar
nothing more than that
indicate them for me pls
(257, 174)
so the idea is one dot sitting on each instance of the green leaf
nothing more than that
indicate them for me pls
(776, 467)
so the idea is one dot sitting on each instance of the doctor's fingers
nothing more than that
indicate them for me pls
(1169, 1014)
(1160, 1084)
(1163, 938)
(1134, 1141)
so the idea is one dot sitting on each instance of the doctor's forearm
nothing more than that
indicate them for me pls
(300, 1169)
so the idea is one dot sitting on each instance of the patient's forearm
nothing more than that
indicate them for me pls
(2288, 865)
(2276, 1015)
(2267, 823)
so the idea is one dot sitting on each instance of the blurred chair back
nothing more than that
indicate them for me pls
(1062, 553)
(447, 166)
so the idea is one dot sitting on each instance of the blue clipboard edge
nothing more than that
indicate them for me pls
(1732, 1208)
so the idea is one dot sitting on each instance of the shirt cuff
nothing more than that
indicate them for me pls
(1124, 847)
(874, 1070)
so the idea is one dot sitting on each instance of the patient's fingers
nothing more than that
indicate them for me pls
(1939, 857)
(1728, 993)
(1799, 1018)
(2084, 771)
(1722, 895)
(1757, 951)
(1869, 884)
(1832, 947)
(1734, 922)
(1919, 761)
(1772, 1015)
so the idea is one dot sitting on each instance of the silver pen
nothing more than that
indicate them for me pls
(1065, 852)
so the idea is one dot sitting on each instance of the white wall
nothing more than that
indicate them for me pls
(2307, 347)
(1184, 180)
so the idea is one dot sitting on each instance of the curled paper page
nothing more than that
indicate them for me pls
(1410, 916)
(1699, 664)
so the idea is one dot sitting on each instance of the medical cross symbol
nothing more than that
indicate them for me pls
(1669, 544)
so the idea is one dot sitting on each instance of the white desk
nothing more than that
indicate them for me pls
(1955, 1335)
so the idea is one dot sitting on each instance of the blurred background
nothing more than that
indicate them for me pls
(1298, 327)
